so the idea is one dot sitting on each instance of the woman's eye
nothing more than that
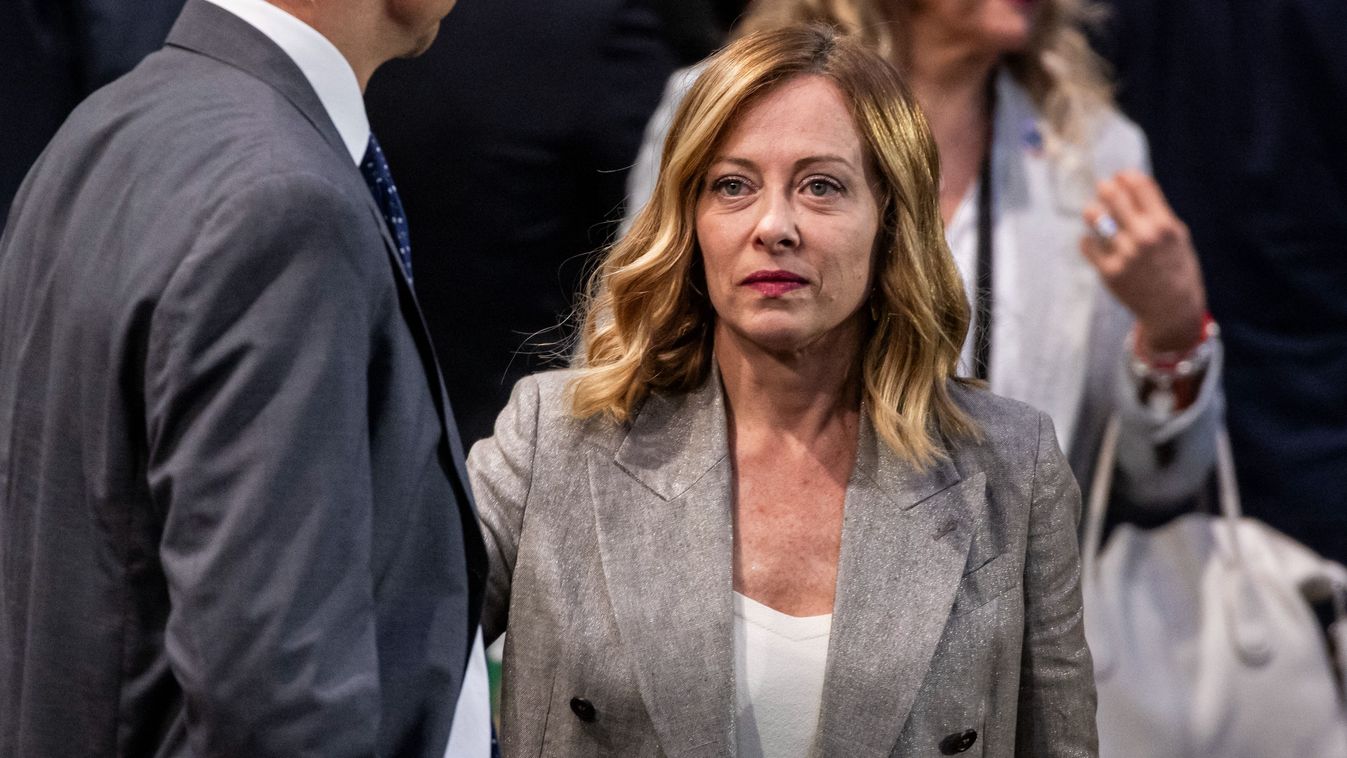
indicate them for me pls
(730, 187)
(822, 187)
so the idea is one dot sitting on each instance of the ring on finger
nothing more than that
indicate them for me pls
(1105, 228)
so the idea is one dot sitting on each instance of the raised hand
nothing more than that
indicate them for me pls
(1145, 256)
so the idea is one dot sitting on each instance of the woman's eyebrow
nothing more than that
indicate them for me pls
(741, 162)
(811, 160)
(826, 158)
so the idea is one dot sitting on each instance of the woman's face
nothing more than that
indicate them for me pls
(787, 219)
(994, 27)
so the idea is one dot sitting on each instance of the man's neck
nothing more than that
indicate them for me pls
(354, 28)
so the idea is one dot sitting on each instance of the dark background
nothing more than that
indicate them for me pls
(1245, 107)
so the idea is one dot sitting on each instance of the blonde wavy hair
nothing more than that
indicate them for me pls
(648, 324)
(1065, 77)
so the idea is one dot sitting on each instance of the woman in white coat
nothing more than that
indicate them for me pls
(1086, 288)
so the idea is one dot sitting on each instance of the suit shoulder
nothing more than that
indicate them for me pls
(189, 117)
(1018, 451)
(1117, 143)
(1009, 427)
(992, 410)
(551, 387)
(547, 396)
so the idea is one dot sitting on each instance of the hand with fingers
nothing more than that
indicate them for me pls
(1145, 256)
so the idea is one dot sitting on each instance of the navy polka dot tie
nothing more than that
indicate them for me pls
(380, 181)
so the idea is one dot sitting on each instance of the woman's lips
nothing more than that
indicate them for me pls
(773, 283)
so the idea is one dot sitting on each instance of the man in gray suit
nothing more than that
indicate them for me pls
(233, 518)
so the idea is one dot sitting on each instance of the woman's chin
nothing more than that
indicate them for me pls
(781, 337)
(772, 332)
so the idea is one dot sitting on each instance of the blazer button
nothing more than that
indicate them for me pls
(958, 743)
(583, 709)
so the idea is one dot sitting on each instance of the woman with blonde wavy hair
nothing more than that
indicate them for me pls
(1086, 294)
(764, 518)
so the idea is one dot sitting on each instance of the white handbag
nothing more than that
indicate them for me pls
(1204, 643)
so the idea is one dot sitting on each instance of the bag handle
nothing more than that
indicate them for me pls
(1241, 602)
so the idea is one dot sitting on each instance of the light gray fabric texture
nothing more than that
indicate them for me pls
(958, 602)
(233, 518)
(1077, 361)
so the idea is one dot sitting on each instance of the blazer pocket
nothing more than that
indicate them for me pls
(986, 583)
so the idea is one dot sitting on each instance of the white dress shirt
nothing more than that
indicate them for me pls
(334, 81)
(323, 65)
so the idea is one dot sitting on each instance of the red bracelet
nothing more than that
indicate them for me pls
(1169, 381)
(1169, 360)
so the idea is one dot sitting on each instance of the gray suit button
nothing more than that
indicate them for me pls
(958, 743)
(583, 709)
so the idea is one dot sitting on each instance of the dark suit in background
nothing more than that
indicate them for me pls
(53, 53)
(693, 29)
(510, 140)
(1245, 105)
(233, 518)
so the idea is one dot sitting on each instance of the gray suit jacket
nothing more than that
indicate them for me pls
(958, 605)
(232, 517)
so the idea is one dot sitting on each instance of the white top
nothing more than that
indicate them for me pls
(1008, 302)
(779, 661)
(333, 80)
(323, 65)
(1017, 294)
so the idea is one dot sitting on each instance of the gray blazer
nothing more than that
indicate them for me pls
(232, 520)
(958, 604)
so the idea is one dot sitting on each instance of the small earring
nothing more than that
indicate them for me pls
(874, 310)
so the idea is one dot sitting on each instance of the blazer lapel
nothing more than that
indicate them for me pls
(905, 541)
(662, 509)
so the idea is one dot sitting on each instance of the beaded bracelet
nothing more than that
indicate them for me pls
(1169, 381)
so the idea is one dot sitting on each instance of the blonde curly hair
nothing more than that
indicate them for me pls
(648, 324)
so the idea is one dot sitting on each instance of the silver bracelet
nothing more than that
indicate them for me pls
(1161, 377)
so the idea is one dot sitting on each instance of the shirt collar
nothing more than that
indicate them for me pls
(322, 64)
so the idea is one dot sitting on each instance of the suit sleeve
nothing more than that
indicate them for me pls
(1057, 695)
(501, 470)
(257, 422)
(1163, 460)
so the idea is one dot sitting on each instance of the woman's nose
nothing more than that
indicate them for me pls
(778, 228)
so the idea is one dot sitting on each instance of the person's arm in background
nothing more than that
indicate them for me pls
(1167, 445)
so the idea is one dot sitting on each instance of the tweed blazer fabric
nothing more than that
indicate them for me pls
(958, 603)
